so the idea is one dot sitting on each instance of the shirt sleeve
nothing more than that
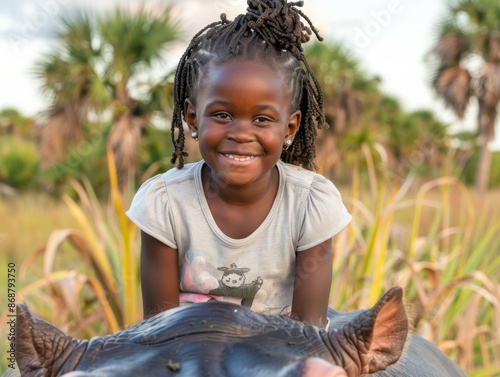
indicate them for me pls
(325, 214)
(150, 210)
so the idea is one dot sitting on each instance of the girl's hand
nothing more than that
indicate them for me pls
(159, 276)
(313, 278)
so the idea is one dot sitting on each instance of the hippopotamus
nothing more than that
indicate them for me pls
(226, 339)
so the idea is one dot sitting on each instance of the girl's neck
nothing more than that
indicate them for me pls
(239, 196)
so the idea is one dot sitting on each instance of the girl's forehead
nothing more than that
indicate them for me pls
(245, 82)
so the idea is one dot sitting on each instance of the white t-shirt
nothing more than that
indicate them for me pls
(256, 271)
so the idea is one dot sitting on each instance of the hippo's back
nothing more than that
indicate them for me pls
(422, 359)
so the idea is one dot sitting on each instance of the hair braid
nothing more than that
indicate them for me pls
(272, 31)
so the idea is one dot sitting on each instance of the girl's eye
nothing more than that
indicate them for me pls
(222, 116)
(261, 120)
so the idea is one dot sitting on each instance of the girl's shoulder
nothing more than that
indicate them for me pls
(171, 177)
(319, 209)
(188, 172)
(158, 186)
(301, 177)
(158, 198)
(312, 189)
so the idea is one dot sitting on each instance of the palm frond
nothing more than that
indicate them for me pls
(454, 86)
(138, 38)
(489, 85)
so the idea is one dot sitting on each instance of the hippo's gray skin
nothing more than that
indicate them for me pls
(420, 358)
(222, 339)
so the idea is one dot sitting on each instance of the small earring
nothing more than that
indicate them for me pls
(194, 135)
(287, 144)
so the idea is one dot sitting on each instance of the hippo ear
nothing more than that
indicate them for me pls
(38, 344)
(378, 334)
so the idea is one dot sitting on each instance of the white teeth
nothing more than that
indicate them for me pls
(239, 158)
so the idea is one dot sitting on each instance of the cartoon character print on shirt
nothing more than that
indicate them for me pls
(233, 284)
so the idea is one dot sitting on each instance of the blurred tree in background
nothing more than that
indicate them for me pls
(466, 64)
(348, 91)
(19, 158)
(12, 122)
(349, 94)
(103, 73)
(367, 123)
(107, 82)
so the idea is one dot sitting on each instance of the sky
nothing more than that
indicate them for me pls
(389, 37)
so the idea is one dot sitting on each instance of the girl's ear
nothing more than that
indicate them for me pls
(293, 124)
(190, 114)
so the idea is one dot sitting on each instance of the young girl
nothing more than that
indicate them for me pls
(250, 223)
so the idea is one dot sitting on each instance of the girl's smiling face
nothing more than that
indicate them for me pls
(243, 115)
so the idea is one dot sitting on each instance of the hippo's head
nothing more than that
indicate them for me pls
(219, 339)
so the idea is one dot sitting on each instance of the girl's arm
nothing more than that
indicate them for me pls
(313, 278)
(159, 276)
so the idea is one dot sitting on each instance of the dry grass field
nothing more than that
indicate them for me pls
(77, 261)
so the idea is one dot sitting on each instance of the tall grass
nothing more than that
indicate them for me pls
(434, 238)
(435, 244)
(85, 278)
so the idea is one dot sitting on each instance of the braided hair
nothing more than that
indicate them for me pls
(271, 31)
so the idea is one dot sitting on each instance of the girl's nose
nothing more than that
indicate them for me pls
(240, 131)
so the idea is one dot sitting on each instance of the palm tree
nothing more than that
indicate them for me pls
(106, 68)
(349, 95)
(346, 88)
(469, 33)
(70, 82)
(414, 140)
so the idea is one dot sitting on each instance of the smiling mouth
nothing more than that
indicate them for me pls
(239, 157)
